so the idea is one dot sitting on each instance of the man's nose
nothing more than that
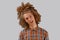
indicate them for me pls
(29, 19)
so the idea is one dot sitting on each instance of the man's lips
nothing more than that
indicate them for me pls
(31, 22)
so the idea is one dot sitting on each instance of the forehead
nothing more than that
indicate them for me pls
(27, 14)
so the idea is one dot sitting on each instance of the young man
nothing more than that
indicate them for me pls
(29, 19)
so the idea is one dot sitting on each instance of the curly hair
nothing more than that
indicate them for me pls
(27, 8)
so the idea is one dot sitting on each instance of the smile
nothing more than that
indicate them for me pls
(32, 22)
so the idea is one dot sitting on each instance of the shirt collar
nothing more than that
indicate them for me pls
(35, 29)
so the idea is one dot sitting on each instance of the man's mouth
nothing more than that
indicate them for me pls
(31, 22)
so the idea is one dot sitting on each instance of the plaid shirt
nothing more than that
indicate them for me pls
(36, 34)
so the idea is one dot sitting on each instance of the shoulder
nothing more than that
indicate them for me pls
(45, 32)
(42, 29)
(23, 31)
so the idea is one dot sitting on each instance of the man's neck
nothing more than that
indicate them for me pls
(33, 26)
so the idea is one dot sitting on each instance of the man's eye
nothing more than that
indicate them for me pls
(26, 18)
(30, 16)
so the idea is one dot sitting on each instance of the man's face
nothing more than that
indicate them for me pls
(29, 18)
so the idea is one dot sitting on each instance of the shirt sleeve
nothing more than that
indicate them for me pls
(46, 36)
(21, 36)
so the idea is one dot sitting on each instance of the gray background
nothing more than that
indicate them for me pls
(49, 9)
